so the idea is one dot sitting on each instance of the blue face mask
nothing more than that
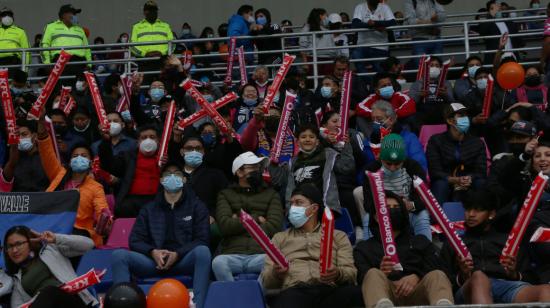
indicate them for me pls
(297, 216)
(17, 91)
(391, 174)
(208, 139)
(172, 183)
(472, 71)
(80, 164)
(193, 158)
(387, 92)
(535, 5)
(261, 21)
(25, 144)
(250, 102)
(156, 94)
(126, 115)
(498, 14)
(463, 124)
(326, 92)
(74, 20)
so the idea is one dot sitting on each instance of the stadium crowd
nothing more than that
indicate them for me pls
(187, 208)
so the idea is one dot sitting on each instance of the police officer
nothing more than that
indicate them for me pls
(150, 29)
(12, 37)
(66, 32)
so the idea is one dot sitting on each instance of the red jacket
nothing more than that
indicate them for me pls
(403, 104)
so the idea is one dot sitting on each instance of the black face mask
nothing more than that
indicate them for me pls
(60, 130)
(532, 81)
(151, 16)
(373, 3)
(516, 148)
(255, 180)
(397, 219)
(479, 229)
(272, 124)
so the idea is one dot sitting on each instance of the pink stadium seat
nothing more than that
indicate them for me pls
(427, 131)
(120, 233)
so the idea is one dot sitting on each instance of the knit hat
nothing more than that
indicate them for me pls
(311, 192)
(392, 148)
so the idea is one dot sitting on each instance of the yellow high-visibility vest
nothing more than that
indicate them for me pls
(13, 37)
(57, 34)
(145, 31)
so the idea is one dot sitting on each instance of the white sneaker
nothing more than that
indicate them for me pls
(444, 302)
(384, 303)
(358, 233)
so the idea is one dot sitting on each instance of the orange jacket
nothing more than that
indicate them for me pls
(92, 196)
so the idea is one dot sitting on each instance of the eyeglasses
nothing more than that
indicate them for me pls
(11, 247)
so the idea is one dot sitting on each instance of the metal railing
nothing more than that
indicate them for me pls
(128, 62)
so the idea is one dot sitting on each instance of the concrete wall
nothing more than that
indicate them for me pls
(110, 18)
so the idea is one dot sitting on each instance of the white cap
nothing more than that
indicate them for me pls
(334, 18)
(247, 158)
(457, 107)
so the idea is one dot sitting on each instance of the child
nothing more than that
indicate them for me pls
(484, 279)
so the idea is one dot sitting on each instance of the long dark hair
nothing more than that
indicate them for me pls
(314, 19)
(12, 268)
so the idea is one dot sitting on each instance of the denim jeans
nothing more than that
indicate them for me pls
(368, 52)
(419, 222)
(225, 266)
(197, 261)
(426, 48)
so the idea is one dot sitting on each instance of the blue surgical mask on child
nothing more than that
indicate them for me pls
(472, 71)
(250, 102)
(156, 94)
(172, 183)
(80, 164)
(326, 92)
(387, 92)
(463, 124)
(297, 216)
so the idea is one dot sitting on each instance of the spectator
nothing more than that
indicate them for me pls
(400, 20)
(6, 285)
(496, 279)
(82, 127)
(314, 164)
(425, 12)
(65, 140)
(220, 151)
(533, 90)
(245, 106)
(92, 203)
(384, 90)
(399, 172)
(457, 161)
(385, 118)
(40, 263)
(146, 108)
(170, 237)
(240, 25)
(340, 39)
(264, 26)
(240, 254)
(187, 33)
(421, 282)
(546, 46)
(302, 284)
(430, 103)
(498, 28)
(120, 143)
(374, 15)
(12, 37)
(19, 84)
(139, 173)
(261, 80)
(327, 95)
(292, 42)
(393, 67)
(318, 21)
(112, 92)
(359, 89)
(28, 173)
(467, 80)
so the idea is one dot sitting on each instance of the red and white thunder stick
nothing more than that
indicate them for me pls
(242, 65)
(420, 73)
(63, 97)
(34, 113)
(166, 132)
(437, 212)
(229, 73)
(228, 98)
(542, 235)
(7, 107)
(327, 239)
(98, 102)
(71, 103)
(376, 181)
(126, 82)
(187, 59)
(83, 282)
(344, 105)
(277, 81)
(426, 72)
(525, 215)
(262, 239)
(51, 132)
(488, 98)
(443, 75)
(283, 125)
(210, 111)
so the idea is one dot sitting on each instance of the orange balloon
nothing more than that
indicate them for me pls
(168, 293)
(510, 75)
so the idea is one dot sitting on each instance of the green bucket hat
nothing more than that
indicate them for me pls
(392, 148)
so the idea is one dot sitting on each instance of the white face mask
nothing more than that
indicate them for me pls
(121, 91)
(115, 129)
(79, 85)
(434, 72)
(148, 146)
(251, 19)
(124, 39)
(7, 21)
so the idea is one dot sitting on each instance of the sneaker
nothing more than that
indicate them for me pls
(358, 233)
(384, 303)
(444, 302)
